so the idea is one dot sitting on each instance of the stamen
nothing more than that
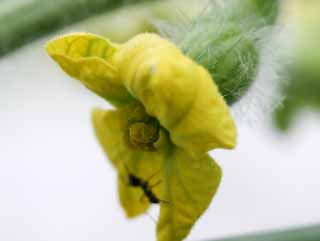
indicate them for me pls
(142, 130)
(143, 134)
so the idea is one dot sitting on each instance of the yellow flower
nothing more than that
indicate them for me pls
(169, 114)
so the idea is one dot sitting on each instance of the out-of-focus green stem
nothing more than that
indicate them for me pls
(36, 18)
(311, 233)
(123, 23)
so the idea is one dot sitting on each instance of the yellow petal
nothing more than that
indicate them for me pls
(178, 92)
(130, 199)
(109, 129)
(189, 188)
(88, 58)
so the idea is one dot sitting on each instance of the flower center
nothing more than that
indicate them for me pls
(143, 134)
(143, 130)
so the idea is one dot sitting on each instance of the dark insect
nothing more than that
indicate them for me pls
(135, 181)
(147, 189)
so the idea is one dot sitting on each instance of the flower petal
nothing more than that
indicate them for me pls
(130, 199)
(109, 129)
(88, 58)
(178, 92)
(188, 188)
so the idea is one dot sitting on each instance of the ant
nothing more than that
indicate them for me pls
(135, 181)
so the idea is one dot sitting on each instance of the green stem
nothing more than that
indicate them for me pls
(39, 17)
(311, 233)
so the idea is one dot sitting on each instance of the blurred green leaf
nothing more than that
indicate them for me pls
(303, 91)
(141, 17)
(303, 88)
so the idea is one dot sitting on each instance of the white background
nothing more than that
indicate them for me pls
(55, 183)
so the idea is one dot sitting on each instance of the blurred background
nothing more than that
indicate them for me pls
(55, 182)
